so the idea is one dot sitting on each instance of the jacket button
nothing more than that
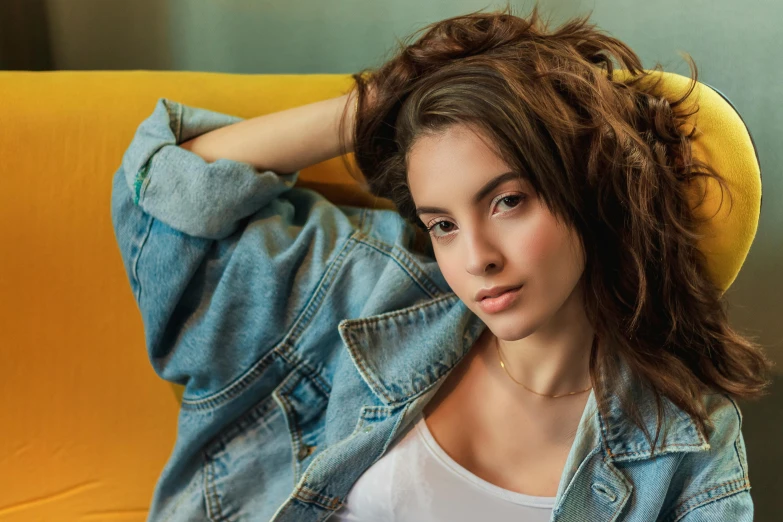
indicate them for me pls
(305, 451)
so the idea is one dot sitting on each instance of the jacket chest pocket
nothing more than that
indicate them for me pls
(247, 468)
(303, 397)
(248, 471)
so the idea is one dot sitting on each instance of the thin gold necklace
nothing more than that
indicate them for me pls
(502, 365)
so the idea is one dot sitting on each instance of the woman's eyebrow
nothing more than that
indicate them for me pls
(481, 194)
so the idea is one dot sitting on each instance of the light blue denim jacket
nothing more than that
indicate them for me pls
(309, 336)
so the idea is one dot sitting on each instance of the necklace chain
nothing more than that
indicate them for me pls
(502, 365)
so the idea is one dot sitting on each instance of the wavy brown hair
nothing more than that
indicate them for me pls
(607, 157)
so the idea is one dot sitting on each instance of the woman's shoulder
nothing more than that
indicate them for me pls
(721, 472)
(724, 426)
(722, 409)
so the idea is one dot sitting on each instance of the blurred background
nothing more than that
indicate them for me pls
(736, 46)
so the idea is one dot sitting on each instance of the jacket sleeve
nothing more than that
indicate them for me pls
(221, 258)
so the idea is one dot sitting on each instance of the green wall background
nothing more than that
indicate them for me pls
(736, 45)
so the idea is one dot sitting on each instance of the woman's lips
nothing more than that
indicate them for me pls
(493, 305)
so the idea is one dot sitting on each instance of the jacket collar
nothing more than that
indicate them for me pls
(403, 354)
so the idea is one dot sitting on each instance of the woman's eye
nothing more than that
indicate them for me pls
(438, 226)
(511, 202)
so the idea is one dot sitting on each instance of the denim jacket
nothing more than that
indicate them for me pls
(308, 336)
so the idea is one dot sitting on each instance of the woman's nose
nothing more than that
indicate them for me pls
(481, 254)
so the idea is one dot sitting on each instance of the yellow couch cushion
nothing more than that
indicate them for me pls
(723, 142)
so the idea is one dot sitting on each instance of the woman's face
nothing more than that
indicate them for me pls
(486, 234)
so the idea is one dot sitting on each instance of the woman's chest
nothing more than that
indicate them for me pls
(507, 444)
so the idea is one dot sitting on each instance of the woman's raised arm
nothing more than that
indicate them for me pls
(284, 141)
(224, 254)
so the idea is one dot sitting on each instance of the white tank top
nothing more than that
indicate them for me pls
(417, 481)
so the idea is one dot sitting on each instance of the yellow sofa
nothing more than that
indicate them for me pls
(86, 424)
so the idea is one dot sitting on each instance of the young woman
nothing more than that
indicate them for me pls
(531, 335)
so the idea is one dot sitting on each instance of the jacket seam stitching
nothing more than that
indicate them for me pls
(232, 390)
(136, 260)
(662, 448)
(403, 311)
(178, 121)
(366, 374)
(739, 433)
(404, 262)
(296, 441)
(308, 371)
(320, 291)
(266, 409)
(743, 486)
(608, 458)
(326, 502)
(214, 510)
(620, 504)
(585, 462)
(364, 219)
(615, 456)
